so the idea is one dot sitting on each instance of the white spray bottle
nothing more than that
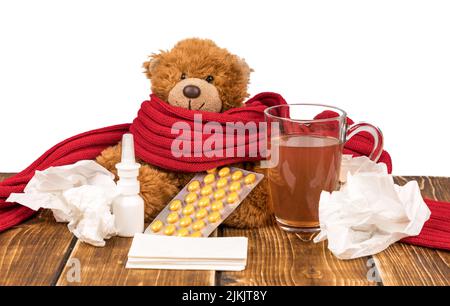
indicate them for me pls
(128, 207)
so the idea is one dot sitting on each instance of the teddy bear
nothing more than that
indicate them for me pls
(198, 75)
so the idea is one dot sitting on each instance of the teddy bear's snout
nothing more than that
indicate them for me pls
(195, 94)
(192, 91)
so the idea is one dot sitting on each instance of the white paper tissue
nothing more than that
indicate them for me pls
(80, 194)
(369, 212)
(186, 253)
(356, 165)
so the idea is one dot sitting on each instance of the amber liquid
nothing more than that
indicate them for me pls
(307, 166)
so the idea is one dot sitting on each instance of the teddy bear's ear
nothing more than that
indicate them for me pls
(245, 68)
(151, 64)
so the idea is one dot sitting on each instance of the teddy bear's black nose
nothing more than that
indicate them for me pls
(191, 91)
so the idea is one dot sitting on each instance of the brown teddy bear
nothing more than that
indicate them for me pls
(196, 74)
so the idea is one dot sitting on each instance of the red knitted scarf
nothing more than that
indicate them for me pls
(154, 134)
(154, 137)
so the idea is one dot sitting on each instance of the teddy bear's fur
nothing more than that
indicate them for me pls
(223, 79)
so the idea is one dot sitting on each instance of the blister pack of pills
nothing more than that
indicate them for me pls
(205, 202)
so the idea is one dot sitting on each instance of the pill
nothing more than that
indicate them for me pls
(250, 179)
(201, 213)
(172, 217)
(198, 225)
(219, 194)
(209, 178)
(203, 202)
(183, 232)
(193, 186)
(237, 175)
(170, 229)
(224, 171)
(185, 221)
(175, 205)
(216, 205)
(222, 182)
(214, 217)
(196, 234)
(232, 197)
(235, 186)
(206, 190)
(190, 198)
(188, 209)
(157, 226)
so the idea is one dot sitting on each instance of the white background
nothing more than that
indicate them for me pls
(70, 66)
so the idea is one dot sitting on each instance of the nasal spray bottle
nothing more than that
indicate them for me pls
(128, 207)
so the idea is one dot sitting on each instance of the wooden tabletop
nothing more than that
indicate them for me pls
(43, 252)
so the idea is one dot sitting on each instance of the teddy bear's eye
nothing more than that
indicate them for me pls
(183, 76)
(209, 78)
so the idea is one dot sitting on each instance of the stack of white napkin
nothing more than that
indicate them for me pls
(183, 253)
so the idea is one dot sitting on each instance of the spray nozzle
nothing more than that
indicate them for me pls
(128, 168)
(128, 162)
(128, 149)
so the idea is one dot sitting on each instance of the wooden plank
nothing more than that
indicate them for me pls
(279, 258)
(43, 252)
(403, 264)
(34, 252)
(5, 175)
(106, 266)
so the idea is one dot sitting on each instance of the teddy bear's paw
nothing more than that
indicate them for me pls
(254, 211)
(157, 189)
(248, 216)
(110, 157)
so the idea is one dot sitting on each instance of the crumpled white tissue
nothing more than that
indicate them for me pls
(80, 194)
(356, 165)
(369, 212)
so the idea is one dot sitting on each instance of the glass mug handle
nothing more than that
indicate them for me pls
(372, 130)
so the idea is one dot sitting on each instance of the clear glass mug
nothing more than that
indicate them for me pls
(305, 143)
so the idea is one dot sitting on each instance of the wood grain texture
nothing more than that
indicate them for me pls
(279, 258)
(34, 252)
(5, 175)
(41, 252)
(403, 264)
(106, 266)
